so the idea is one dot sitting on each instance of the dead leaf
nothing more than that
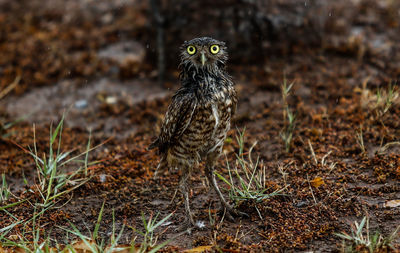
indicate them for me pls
(392, 203)
(199, 249)
(317, 182)
(81, 246)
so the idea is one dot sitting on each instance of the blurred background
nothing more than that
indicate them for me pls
(89, 52)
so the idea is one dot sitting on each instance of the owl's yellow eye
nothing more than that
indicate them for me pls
(191, 50)
(214, 49)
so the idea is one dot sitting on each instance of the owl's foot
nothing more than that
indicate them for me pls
(189, 221)
(185, 226)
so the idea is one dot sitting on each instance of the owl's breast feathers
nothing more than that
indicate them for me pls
(187, 102)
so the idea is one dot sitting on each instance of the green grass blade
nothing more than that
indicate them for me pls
(161, 221)
(58, 128)
(361, 226)
(97, 226)
(159, 246)
(12, 204)
(5, 230)
(61, 156)
(87, 153)
(81, 154)
(222, 178)
(84, 238)
(61, 125)
(50, 185)
(252, 176)
(162, 245)
(17, 245)
(50, 144)
(344, 236)
(145, 222)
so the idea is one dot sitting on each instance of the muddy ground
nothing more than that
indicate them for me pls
(96, 61)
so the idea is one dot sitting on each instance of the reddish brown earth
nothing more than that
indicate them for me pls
(59, 58)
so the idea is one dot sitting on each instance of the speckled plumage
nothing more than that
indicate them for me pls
(198, 117)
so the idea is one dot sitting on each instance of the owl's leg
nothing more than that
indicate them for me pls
(210, 167)
(183, 185)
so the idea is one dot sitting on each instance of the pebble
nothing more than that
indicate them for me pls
(81, 104)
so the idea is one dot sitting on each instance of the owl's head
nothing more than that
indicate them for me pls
(204, 53)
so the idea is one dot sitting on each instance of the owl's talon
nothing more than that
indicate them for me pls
(186, 226)
(242, 214)
(228, 215)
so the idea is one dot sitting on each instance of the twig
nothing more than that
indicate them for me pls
(173, 197)
(312, 152)
(312, 193)
(10, 87)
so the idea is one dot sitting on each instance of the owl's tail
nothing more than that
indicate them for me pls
(154, 144)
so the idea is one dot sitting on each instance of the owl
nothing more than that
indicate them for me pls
(199, 115)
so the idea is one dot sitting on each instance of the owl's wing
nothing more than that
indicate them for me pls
(234, 99)
(176, 120)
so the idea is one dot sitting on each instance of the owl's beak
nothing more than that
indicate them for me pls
(203, 59)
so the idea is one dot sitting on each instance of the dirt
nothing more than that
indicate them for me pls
(118, 101)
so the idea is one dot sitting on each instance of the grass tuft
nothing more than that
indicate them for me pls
(52, 180)
(360, 140)
(92, 243)
(24, 243)
(379, 102)
(149, 243)
(95, 243)
(361, 240)
(385, 98)
(247, 180)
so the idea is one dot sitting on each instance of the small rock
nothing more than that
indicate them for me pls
(392, 203)
(81, 104)
(111, 100)
(124, 52)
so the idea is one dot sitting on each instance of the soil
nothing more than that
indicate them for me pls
(72, 62)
